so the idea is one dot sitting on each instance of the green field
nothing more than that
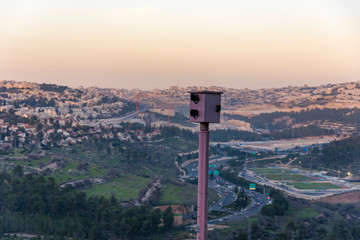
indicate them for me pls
(297, 180)
(183, 194)
(307, 213)
(125, 188)
(310, 185)
(278, 174)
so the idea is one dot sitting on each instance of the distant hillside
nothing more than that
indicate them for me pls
(286, 120)
(343, 155)
(291, 98)
(333, 106)
(253, 102)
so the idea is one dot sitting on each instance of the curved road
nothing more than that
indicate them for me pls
(227, 196)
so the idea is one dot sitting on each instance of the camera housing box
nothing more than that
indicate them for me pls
(205, 106)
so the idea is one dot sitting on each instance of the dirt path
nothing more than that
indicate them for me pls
(352, 197)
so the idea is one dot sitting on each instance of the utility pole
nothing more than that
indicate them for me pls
(204, 109)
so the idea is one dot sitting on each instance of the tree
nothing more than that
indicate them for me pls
(255, 231)
(155, 217)
(68, 123)
(18, 171)
(340, 232)
(322, 233)
(39, 126)
(302, 231)
(40, 136)
(242, 235)
(168, 217)
(211, 175)
(291, 229)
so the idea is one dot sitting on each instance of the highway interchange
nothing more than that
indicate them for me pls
(226, 193)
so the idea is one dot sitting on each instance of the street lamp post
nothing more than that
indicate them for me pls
(204, 109)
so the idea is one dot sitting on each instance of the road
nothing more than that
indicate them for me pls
(258, 200)
(227, 195)
(222, 187)
(127, 116)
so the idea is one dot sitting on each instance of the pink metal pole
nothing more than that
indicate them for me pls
(203, 172)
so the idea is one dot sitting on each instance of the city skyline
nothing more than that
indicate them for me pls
(157, 44)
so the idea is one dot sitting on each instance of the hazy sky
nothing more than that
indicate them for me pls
(158, 43)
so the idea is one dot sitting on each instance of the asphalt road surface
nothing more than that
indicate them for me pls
(228, 196)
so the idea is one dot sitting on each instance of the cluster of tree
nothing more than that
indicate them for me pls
(13, 119)
(342, 231)
(267, 120)
(38, 101)
(233, 152)
(187, 157)
(228, 135)
(260, 230)
(135, 126)
(108, 99)
(241, 202)
(277, 207)
(126, 107)
(237, 117)
(171, 131)
(52, 87)
(341, 153)
(10, 90)
(311, 130)
(37, 205)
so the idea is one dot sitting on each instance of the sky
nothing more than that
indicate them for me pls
(150, 44)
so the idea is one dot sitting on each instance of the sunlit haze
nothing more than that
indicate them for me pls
(156, 44)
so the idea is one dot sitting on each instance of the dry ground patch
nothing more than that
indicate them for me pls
(353, 197)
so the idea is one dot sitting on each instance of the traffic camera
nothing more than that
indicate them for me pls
(205, 106)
